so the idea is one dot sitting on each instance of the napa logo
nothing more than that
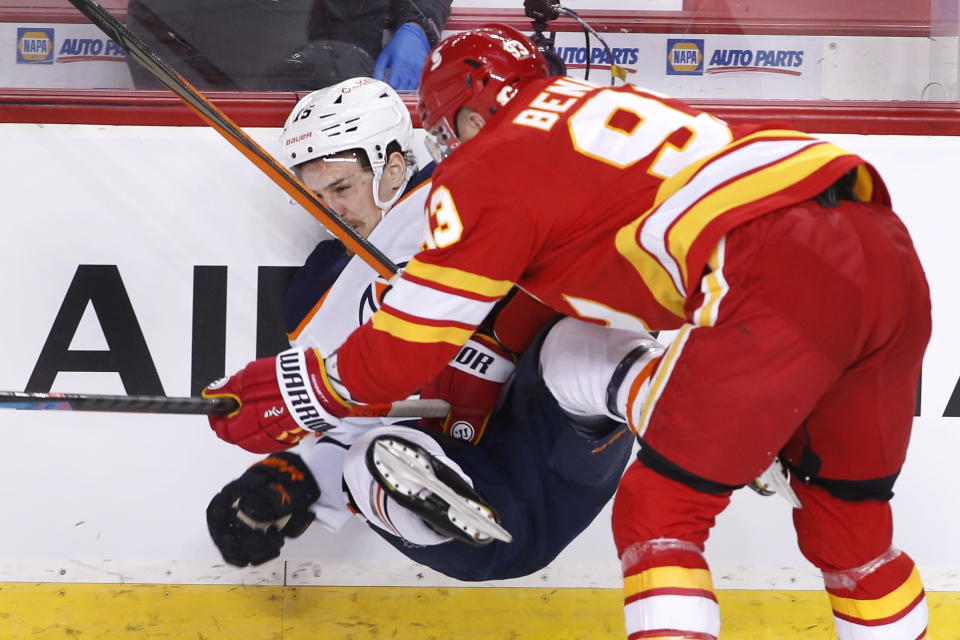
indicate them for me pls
(684, 57)
(90, 49)
(35, 45)
(771, 61)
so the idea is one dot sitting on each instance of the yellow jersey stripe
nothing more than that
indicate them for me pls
(413, 332)
(646, 265)
(459, 279)
(670, 186)
(750, 188)
(880, 608)
(714, 288)
(656, 244)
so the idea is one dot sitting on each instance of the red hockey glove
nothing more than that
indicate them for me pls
(471, 383)
(282, 398)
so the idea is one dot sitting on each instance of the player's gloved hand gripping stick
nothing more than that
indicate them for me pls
(472, 383)
(280, 400)
(190, 405)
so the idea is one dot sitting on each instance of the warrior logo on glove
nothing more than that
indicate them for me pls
(292, 372)
(282, 399)
(462, 430)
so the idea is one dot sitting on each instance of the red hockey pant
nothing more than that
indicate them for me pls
(818, 322)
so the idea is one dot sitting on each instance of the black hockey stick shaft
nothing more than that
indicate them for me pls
(131, 404)
(166, 74)
(430, 408)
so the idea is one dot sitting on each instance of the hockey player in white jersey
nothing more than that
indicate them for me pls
(539, 446)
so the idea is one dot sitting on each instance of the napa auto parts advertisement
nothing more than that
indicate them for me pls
(706, 66)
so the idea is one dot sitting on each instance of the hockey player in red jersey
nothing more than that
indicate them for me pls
(543, 456)
(802, 309)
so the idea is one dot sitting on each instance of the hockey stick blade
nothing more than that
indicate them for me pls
(129, 404)
(170, 78)
(430, 408)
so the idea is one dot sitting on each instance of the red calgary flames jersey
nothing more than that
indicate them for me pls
(604, 203)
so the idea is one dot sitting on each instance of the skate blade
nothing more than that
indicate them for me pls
(410, 473)
(775, 481)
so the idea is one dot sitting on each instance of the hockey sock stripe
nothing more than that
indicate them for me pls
(877, 622)
(674, 598)
(668, 591)
(684, 616)
(912, 625)
(668, 577)
(893, 605)
(670, 634)
(671, 591)
(883, 599)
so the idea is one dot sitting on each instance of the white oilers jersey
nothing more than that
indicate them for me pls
(358, 290)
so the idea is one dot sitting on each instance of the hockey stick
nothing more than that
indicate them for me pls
(235, 136)
(132, 404)
(192, 405)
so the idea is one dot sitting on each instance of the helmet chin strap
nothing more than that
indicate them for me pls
(386, 205)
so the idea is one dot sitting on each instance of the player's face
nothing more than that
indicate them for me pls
(343, 183)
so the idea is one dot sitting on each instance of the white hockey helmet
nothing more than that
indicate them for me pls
(359, 113)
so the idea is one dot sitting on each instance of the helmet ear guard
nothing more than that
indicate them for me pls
(359, 113)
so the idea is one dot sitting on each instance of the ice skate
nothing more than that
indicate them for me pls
(775, 480)
(426, 486)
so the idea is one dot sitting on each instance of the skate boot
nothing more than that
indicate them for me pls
(417, 480)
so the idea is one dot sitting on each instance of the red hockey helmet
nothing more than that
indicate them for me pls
(481, 69)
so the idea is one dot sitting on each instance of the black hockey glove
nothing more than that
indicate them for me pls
(250, 517)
